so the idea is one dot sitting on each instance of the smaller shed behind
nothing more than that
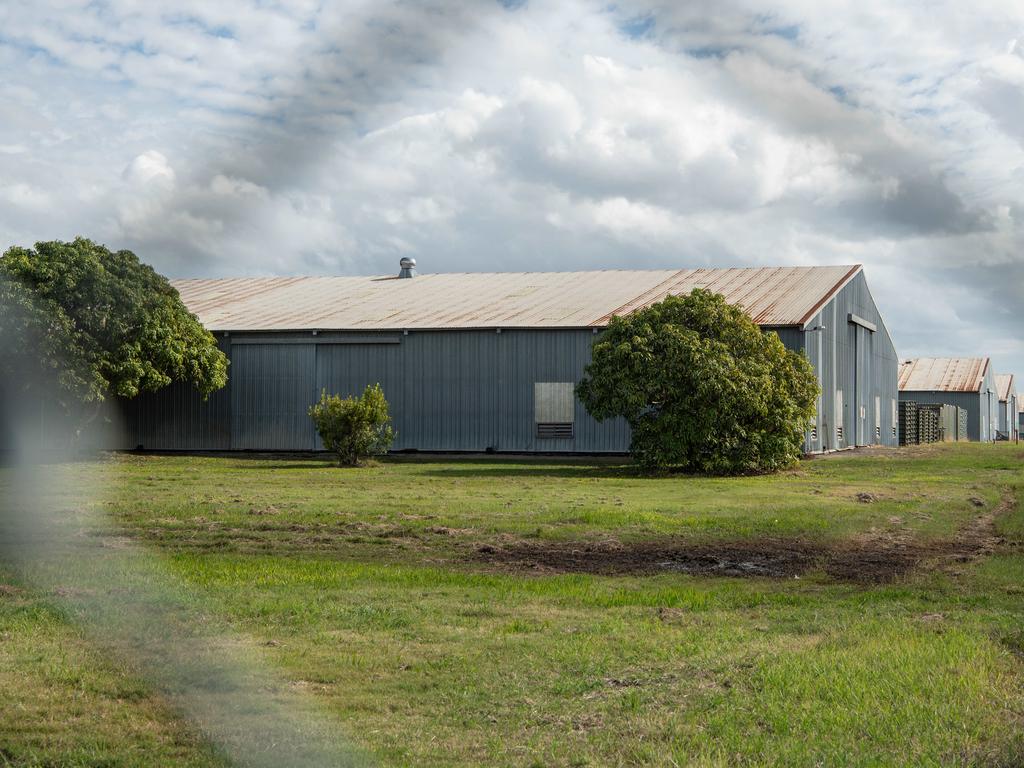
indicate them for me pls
(967, 382)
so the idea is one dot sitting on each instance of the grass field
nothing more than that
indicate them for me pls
(860, 610)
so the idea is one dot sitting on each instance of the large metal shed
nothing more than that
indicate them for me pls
(968, 382)
(488, 362)
(1006, 389)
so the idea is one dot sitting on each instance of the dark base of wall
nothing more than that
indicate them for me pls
(404, 454)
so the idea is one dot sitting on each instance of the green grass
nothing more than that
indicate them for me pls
(360, 589)
(63, 704)
(249, 504)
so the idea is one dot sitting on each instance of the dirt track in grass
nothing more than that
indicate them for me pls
(873, 558)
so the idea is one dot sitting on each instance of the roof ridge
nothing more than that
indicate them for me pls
(804, 267)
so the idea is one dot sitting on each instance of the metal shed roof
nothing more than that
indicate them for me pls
(943, 374)
(780, 296)
(1004, 385)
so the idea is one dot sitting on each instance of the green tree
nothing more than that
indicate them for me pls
(354, 427)
(702, 387)
(36, 349)
(104, 322)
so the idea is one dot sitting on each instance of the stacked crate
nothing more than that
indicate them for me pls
(908, 423)
(931, 423)
(928, 425)
(946, 419)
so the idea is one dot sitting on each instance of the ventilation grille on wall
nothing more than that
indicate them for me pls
(894, 431)
(878, 433)
(560, 430)
(814, 434)
(839, 433)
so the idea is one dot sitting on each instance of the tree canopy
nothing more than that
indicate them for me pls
(702, 387)
(102, 321)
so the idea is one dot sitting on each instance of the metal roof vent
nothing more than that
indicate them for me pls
(408, 266)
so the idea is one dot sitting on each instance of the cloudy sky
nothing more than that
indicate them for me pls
(314, 137)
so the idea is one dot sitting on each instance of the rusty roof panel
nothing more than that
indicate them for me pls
(943, 374)
(1004, 385)
(772, 296)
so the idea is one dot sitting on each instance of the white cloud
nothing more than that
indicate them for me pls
(233, 187)
(24, 196)
(151, 167)
(253, 138)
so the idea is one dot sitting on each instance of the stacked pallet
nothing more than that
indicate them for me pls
(922, 423)
(908, 423)
(928, 426)
(946, 418)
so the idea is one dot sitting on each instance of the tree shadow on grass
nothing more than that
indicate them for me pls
(444, 465)
(514, 470)
(303, 465)
(484, 469)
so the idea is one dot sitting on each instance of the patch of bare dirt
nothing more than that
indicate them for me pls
(761, 558)
(267, 510)
(873, 558)
(443, 530)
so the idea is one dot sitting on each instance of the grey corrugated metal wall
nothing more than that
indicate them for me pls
(177, 419)
(448, 391)
(990, 401)
(474, 390)
(1011, 418)
(1008, 416)
(272, 387)
(858, 372)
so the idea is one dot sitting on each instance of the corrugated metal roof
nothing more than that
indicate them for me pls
(772, 296)
(1004, 385)
(943, 374)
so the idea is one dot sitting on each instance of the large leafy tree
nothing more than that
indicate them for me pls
(702, 387)
(101, 322)
(36, 345)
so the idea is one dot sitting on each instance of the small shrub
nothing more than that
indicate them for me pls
(354, 427)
